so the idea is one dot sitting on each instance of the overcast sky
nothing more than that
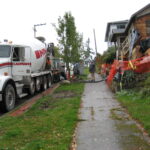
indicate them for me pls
(18, 17)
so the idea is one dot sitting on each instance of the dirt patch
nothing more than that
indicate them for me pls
(119, 114)
(49, 104)
(64, 94)
(20, 110)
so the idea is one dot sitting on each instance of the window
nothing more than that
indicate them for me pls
(120, 26)
(148, 27)
(5, 50)
(18, 54)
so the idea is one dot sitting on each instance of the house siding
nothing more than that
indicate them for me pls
(140, 25)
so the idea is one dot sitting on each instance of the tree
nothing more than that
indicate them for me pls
(69, 39)
(109, 55)
(57, 52)
(88, 51)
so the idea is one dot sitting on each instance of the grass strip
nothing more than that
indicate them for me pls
(48, 125)
(137, 106)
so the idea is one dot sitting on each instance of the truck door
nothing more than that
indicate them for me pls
(21, 62)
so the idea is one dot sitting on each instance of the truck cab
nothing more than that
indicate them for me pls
(14, 61)
(14, 65)
(22, 71)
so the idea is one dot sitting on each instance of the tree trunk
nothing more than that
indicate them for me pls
(68, 70)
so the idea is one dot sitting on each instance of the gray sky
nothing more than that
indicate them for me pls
(18, 17)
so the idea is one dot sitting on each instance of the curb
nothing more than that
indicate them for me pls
(23, 108)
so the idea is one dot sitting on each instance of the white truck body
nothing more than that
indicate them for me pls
(22, 65)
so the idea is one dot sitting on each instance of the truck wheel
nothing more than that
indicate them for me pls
(49, 81)
(37, 84)
(9, 98)
(32, 87)
(44, 85)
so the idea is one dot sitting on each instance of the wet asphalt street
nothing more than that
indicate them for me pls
(104, 124)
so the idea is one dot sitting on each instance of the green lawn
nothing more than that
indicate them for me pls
(137, 105)
(48, 125)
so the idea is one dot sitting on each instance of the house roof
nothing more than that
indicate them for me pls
(113, 23)
(136, 14)
(118, 32)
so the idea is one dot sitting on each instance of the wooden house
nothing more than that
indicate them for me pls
(138, 34)
(134, 41)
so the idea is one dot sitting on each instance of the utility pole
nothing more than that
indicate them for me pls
(34, 28)
(95, 41)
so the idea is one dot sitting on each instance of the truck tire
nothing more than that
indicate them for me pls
(37, 84)
(44, 85)
(9, 98)
(32, 87)
(49, 81)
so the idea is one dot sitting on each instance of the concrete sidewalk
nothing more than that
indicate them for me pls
(104, 123)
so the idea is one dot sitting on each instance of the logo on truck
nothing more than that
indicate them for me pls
(40, 53)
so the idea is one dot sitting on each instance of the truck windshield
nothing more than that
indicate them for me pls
(5, 50)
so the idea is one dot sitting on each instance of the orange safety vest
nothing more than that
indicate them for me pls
(48, 62)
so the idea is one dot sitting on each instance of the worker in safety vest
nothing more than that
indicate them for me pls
(48, 63)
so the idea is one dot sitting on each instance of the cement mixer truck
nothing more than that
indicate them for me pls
(23, 71)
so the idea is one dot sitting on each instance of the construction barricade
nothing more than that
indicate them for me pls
(139, 65)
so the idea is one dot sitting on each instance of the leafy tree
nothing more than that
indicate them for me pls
(109, 55)
(57, 52)
(87, 51)
(69, 39)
